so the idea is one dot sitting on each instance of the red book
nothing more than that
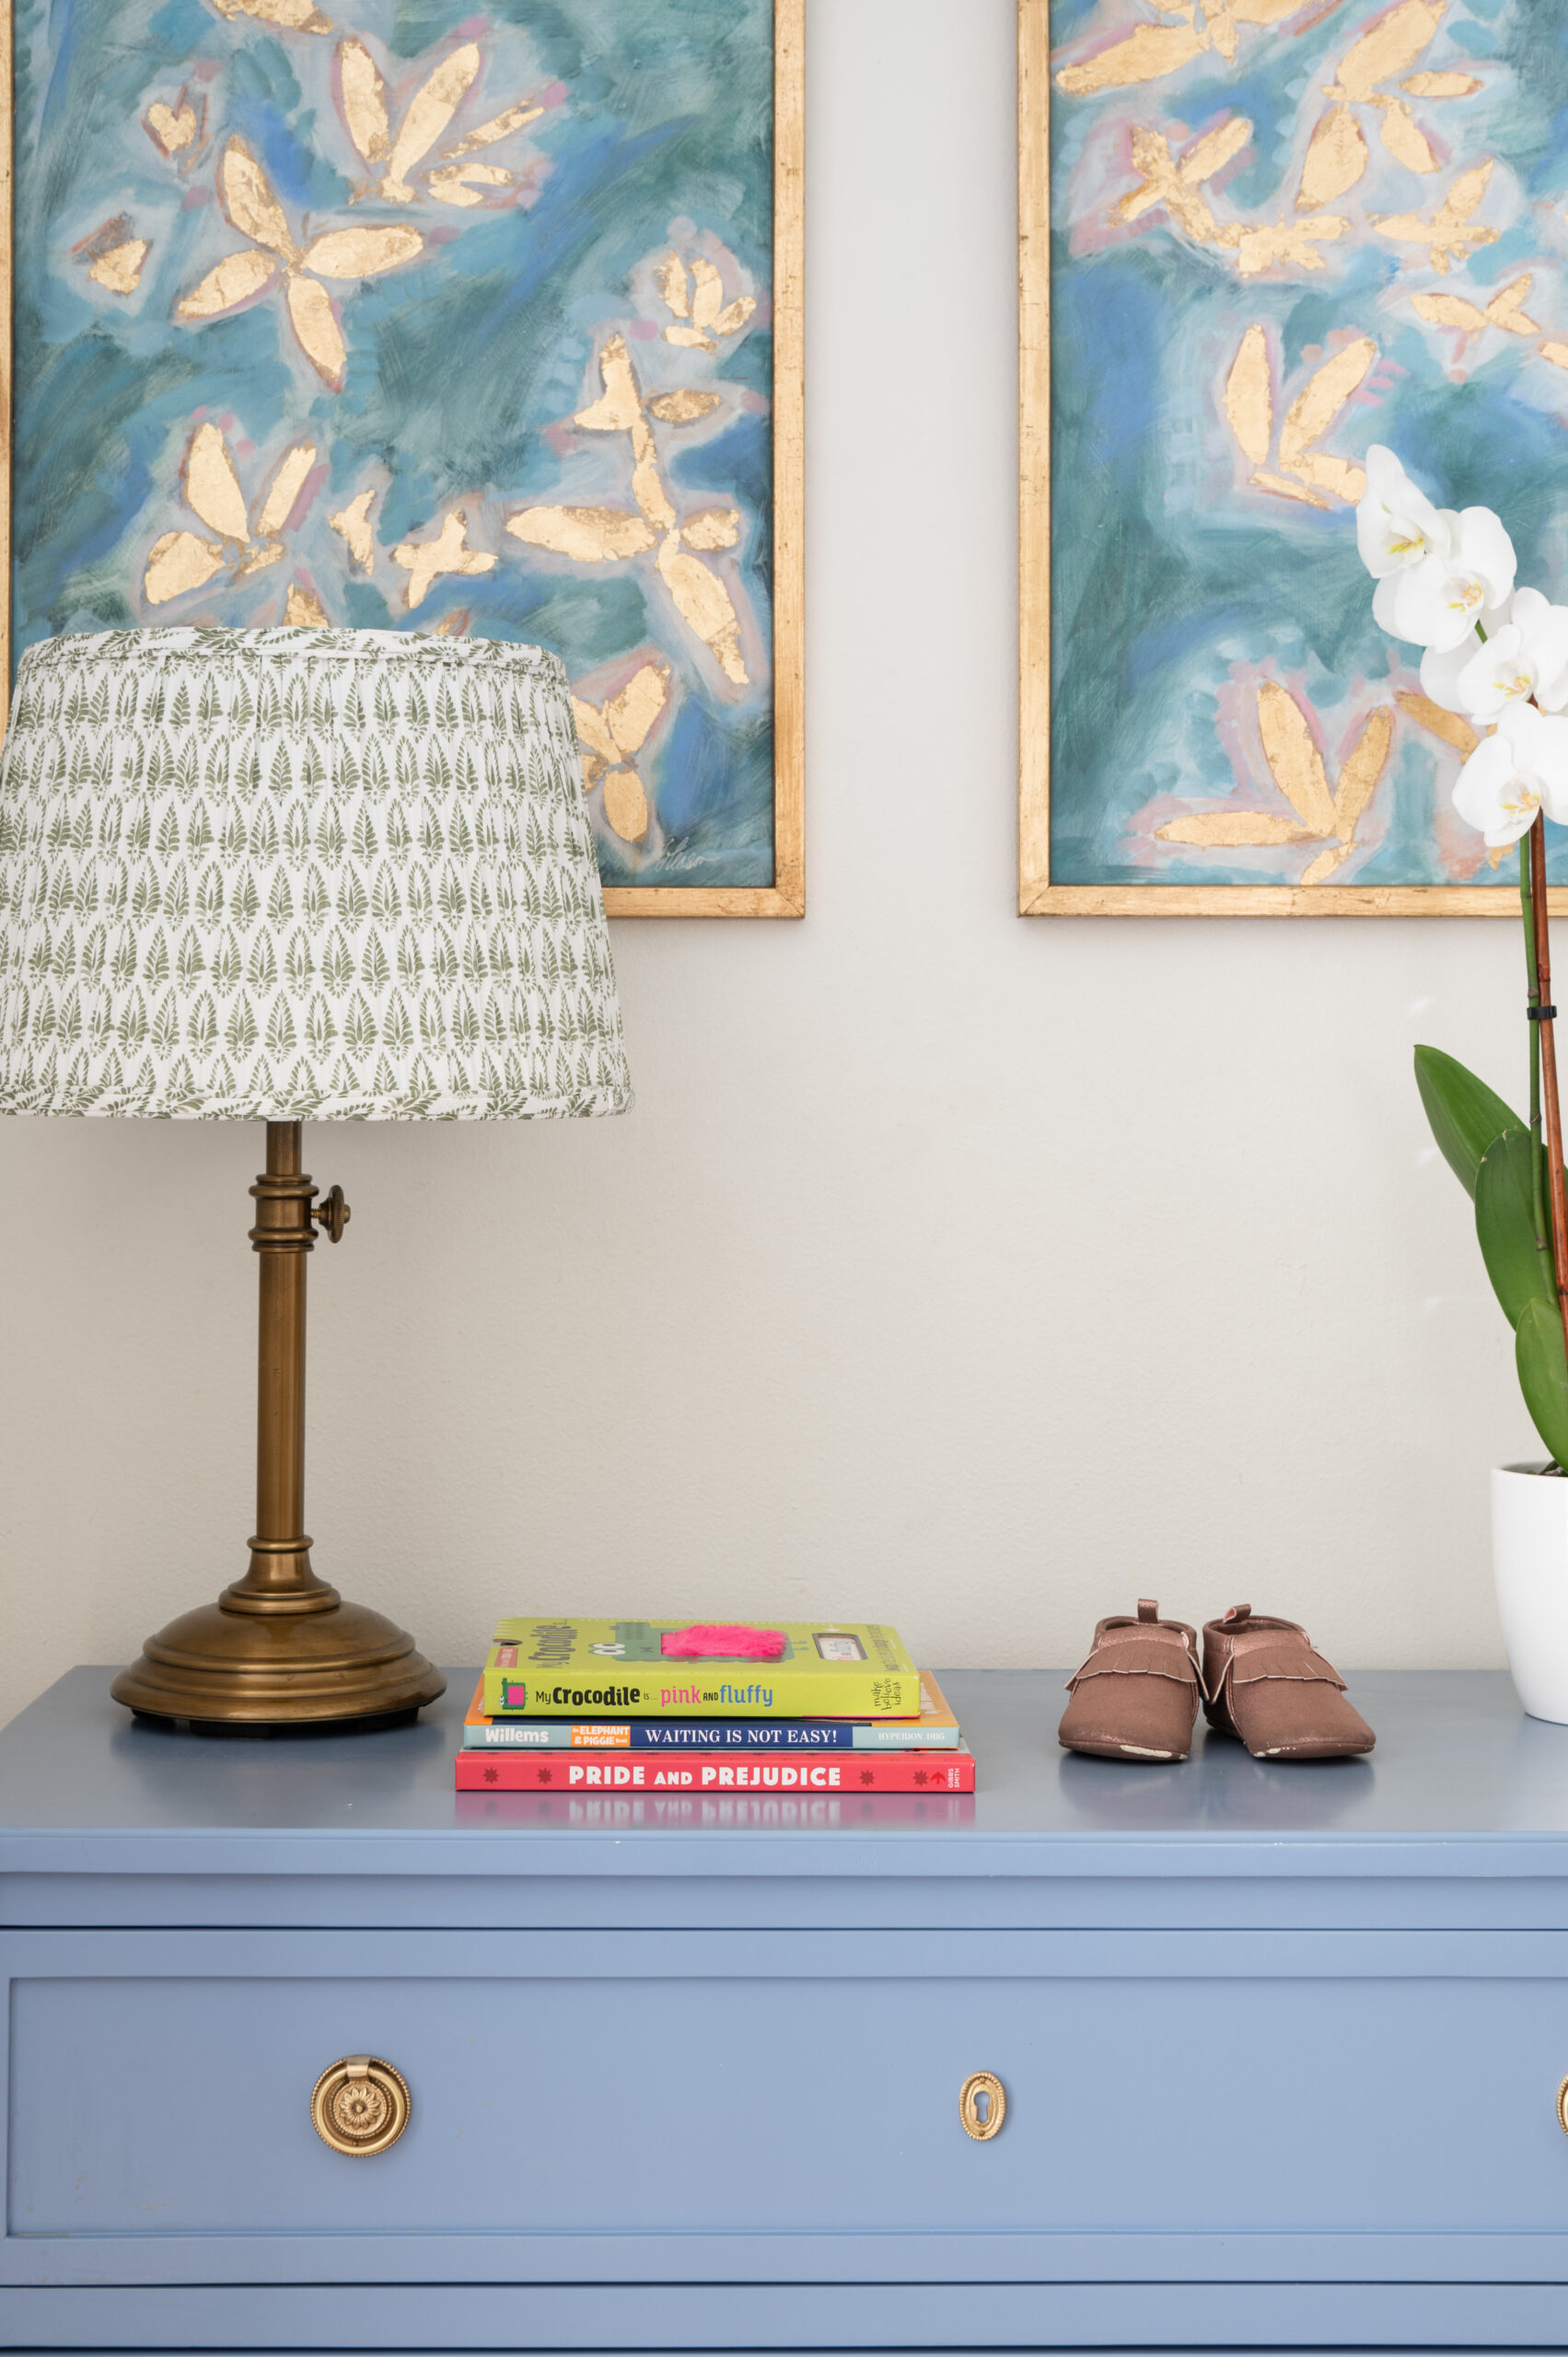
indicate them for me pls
(706, 1771)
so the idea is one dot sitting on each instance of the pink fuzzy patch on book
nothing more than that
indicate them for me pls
(722, 1640)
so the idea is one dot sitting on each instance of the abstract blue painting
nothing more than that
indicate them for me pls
(380, 313)
(1282, 230)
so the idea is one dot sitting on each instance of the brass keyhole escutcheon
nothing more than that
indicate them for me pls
(983, 2106)
(360, 2106)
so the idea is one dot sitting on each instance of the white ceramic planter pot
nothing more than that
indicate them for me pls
(1529, 1560)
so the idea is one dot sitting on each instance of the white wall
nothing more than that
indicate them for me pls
(966, 1272)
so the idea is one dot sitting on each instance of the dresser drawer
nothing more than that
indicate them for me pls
(741, 2106)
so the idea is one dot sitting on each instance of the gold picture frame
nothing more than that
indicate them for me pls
(1037, 895)
(786, 896)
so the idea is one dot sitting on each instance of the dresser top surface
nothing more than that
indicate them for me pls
(1457, 1765)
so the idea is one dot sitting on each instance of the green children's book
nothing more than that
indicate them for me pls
(684, 1670)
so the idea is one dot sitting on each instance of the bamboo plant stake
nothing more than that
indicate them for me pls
(1540, 1218)
(1549, 1101)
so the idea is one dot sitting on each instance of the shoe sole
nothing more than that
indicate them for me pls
(1123, 1751)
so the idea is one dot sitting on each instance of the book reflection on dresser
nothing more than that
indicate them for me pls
(715, 1812)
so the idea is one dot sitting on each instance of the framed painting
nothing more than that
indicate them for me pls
(395, 315)
(1258, 236)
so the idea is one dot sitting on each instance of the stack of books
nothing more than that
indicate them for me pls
(696, 1706)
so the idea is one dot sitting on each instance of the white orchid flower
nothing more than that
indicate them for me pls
(1437, 572)
(1543, 649)
(1442, 671)
(1438, 602)
(1396, 525)
(1526, 656)
(1510, 776)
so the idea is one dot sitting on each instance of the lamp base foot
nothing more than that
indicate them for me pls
(225, 1670)
(245, 1730)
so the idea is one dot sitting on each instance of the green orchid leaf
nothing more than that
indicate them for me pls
(1464, 1113)
(1543, 1374)
(1519, 1267)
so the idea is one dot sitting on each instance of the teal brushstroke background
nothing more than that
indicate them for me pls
(462, 365)
(1175, 586)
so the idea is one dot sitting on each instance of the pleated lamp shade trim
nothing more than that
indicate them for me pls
(300, 875)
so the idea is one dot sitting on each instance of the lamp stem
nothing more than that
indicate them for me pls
(280, 1648)
(280, 1370)
(280, 1578)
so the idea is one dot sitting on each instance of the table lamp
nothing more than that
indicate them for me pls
(287, 875)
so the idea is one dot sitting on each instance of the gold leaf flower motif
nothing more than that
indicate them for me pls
(1337, 156)
(1268, 245)
(113, 256)
(1176, 184)
(1450, 727)
(352, 524)
(361, 91)
(426, 561)
(611, 735)
(304, 609)
(176, 130)
(284, 15)
(1152, 50)
(1303, 473)
(699, 318)
(614, 535)
(1451, 234)
(181, 562)
(1471, 320)
(1316, 815)
(682, 408)
(274, 258)
(1145, 54)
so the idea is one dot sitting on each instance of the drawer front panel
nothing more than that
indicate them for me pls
(942, 2320)
(619, 2087)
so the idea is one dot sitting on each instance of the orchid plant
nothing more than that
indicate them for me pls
(1498, 654)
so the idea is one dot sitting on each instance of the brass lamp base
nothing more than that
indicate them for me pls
(280, 1648)
(212, 1666)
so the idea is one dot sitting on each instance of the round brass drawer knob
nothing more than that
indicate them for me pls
(360, 2105)
(983, 2106)
(1562, 2106)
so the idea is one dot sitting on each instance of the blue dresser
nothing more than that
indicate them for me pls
(1280, 2047)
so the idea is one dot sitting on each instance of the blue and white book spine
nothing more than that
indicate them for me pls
(792, 1735)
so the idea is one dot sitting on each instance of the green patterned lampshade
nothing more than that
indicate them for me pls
(300, 875)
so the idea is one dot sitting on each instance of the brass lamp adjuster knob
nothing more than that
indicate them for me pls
(360, 2105)
(983, 2106)
(332, 1214)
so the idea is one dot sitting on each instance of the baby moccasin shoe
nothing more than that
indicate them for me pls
(1265, 1685)
(1137, 1695)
